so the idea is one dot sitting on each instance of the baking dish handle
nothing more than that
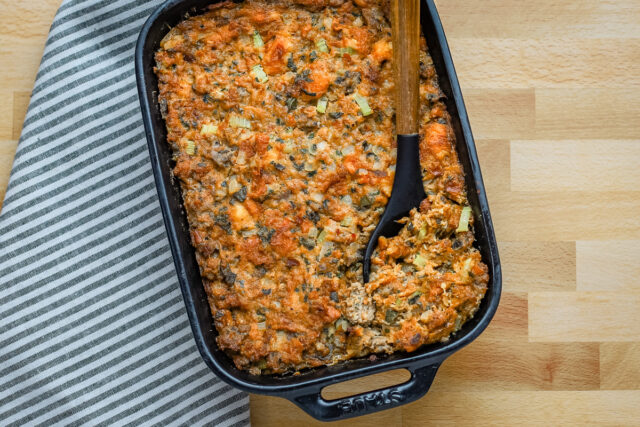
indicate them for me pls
(315, 405)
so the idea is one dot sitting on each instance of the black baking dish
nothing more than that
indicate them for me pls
(304, 389)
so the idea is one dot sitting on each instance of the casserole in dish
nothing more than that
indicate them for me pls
(304, 388)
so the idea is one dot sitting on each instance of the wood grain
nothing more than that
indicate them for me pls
(544, 63)
(23, 31)
(406, 61)
(501, 113)
(539, 266)
(7, 149)
(566, 215)
(6, 113)
(579, 113)
(541, 19)
(508, 408)
(584, 316)
(573, 165)
(495, 157)
(553, 90)
(519, 366)
(620, 366)
(609, 265)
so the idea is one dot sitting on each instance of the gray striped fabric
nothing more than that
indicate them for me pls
(93, 329)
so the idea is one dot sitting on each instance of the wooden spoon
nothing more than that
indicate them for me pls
(408, 189)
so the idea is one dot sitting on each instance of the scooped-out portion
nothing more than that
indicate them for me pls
(281, 120)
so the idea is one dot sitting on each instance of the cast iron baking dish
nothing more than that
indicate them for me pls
(304, 389)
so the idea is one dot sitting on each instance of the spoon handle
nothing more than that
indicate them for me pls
(406, 60)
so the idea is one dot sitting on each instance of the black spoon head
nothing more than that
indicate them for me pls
(407, 193)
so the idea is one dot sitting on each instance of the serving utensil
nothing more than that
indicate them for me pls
(408, 190)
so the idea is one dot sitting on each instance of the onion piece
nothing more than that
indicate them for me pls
(349, 149)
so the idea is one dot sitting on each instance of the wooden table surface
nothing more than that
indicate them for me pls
(553, 92)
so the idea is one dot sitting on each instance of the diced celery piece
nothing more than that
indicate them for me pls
(259, 73)
(463, 224)
(363, 104)
(257, 40)
(322, 105)
(190, 148)
(209, 129)
(423, 232)
(321, 44)
(419, 261)
(349, 50)
(239, 122)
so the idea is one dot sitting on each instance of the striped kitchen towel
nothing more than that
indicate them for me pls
(93, 330)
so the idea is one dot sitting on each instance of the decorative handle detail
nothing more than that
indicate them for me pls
(315, 405)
